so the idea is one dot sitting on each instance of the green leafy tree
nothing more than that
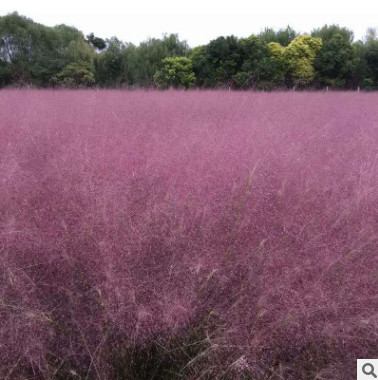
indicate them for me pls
(97, 42)
(15, 47)
(176, 72)
(327, 32)
(297, 58)
(259, 69)
(130, 66)
(361, 70)
(31, 53)
(75, 74)
(368, 54)
(282, 36)
(201, 65)
(337, 62)
(215, 64)
(109, 69)
(79, 51)
(372, 61)
(276, 51)
(146, 59)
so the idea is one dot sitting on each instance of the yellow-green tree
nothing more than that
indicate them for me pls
(297, 59)
(176, 72)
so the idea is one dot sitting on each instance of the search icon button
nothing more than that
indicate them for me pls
(368, 369)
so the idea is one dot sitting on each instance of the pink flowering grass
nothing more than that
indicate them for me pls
(187, 235)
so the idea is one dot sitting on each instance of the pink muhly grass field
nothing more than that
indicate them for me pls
(187, 235)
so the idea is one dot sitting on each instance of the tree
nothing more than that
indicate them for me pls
(362, 74)
(217, 63)
(276, 51)
(297, 59)
(109, 64)
(15, 47)
(96, 42)
(147, 58)
(176, 72)
(32, 53)
(367, 54)
(201, 65)
(282, 36)
(337, 61)
(258, 69)
(130, 64)
(225, 58)
(372, 62)
(328, 31)
(75, 75)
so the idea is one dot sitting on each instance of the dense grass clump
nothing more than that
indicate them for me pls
(187, 235)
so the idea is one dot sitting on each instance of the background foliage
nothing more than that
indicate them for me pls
(32, 54)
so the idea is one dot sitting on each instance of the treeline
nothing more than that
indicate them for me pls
(32, 54)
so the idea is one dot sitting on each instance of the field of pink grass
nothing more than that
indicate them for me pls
(187, 235)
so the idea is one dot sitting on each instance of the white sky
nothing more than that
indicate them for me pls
(197, 21)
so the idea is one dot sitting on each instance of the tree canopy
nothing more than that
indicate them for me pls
(38, 55)
(176, 72)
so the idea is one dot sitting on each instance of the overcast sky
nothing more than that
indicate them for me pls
(197, 21)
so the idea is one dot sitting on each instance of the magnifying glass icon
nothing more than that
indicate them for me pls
(368, 369)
